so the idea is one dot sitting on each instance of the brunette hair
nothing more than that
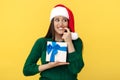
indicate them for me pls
(51, 31)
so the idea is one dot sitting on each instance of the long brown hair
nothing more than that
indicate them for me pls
(51, 31)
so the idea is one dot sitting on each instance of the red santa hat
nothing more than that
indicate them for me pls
(61, 10)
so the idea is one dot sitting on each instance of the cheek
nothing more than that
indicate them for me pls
(66, 24)
(55, 24)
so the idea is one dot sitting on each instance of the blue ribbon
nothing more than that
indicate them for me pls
(54, 48)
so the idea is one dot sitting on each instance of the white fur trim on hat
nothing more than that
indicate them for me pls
(74, 35)
(59, 11)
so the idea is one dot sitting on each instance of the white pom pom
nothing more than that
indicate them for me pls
(74, 35)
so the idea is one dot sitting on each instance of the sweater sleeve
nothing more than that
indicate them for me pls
(75, 58)
(30, 66)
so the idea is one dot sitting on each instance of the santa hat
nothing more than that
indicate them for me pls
(61, 10)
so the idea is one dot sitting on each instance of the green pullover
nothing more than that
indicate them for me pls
(64, 72)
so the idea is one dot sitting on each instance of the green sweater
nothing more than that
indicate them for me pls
(64, 72)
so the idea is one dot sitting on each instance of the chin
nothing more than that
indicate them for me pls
(60, 33)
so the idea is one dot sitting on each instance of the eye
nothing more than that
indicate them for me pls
(56, 19)
(65, 20)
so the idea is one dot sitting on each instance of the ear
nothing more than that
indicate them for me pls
(74, 35)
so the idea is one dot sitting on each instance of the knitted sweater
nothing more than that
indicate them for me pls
(64, 72)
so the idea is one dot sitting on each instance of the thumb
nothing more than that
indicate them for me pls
(63, 37)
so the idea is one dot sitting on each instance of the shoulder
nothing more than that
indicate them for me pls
(39, 42)
(79, 40)
(78, 43)
(42, 40)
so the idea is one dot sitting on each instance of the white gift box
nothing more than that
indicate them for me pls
(56, 51)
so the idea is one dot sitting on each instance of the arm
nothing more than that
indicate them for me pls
(74, 52)
(30, 66)
(75, 58)
(51, 65)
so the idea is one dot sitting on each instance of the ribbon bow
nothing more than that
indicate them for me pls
(54, 48)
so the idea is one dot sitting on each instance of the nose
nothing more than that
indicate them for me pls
(61, 24)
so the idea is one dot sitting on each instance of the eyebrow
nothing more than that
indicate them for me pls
(65, 18)
(58, 18)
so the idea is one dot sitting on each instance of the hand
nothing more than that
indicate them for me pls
(51, 65)
(54, 64)
(67, 35)
(67, 38)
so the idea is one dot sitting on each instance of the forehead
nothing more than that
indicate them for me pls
(60, 17)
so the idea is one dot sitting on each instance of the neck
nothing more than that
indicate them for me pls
(58, 38)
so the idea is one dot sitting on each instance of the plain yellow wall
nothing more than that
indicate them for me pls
(96, 21)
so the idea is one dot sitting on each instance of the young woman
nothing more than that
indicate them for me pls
(61, 30)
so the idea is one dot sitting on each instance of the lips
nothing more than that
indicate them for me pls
(60, 28)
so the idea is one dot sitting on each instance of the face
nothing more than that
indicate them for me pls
(60, 23)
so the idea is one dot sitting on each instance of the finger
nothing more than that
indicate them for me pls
(67, 29)
(67, 63)
(64, 33)
(64, 63)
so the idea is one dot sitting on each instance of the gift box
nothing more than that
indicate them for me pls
(56, 51)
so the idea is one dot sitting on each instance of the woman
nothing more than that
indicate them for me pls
(61, 30)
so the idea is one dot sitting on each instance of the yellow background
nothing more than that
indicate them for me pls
(96, 21)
